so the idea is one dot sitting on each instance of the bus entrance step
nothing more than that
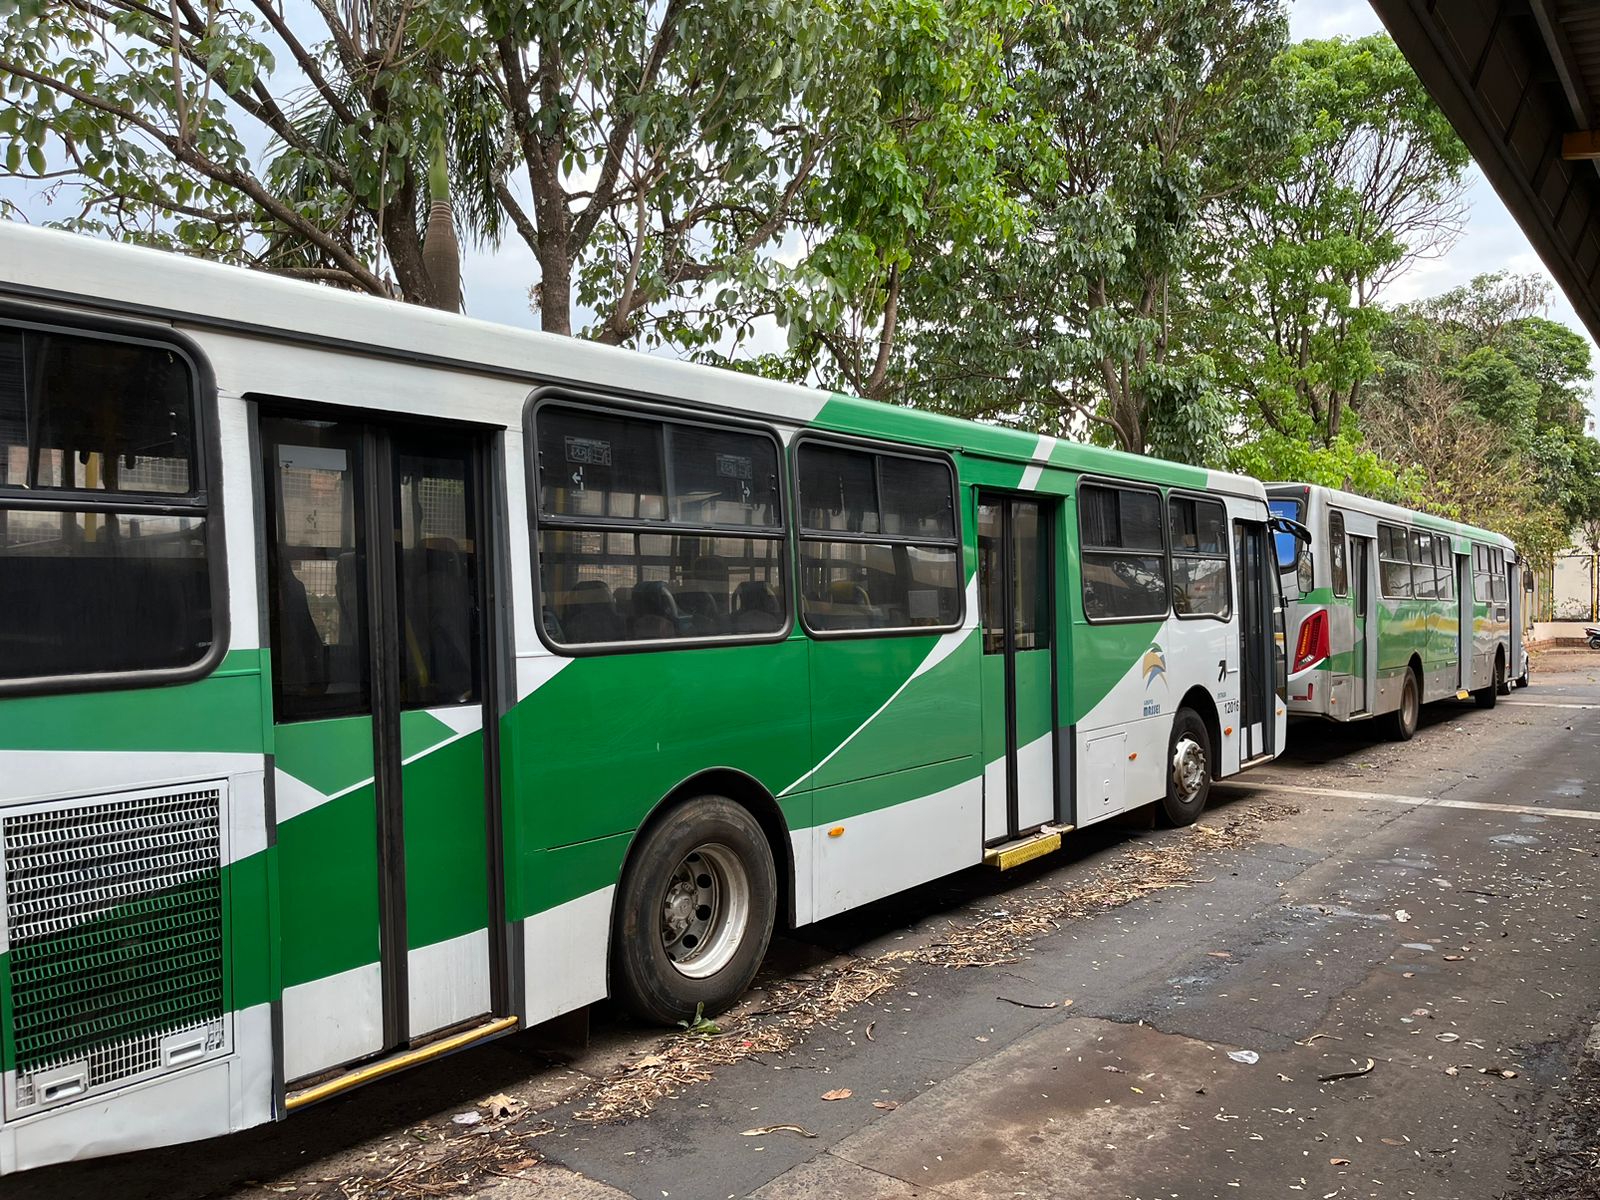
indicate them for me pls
(1025, 849)
(326, 1087)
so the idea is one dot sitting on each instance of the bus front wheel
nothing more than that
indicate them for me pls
(695, 912)
(1188, 769)
(1403, 720)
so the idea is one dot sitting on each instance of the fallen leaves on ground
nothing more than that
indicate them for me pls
(793, 1008)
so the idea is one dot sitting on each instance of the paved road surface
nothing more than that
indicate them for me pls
(1432, 909)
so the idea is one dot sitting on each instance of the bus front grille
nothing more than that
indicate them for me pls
(113, 932)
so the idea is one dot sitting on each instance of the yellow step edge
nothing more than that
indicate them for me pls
(1463, 694)
(1014, 854)
(397, 1062)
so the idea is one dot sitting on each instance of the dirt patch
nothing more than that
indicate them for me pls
(1561, 1158)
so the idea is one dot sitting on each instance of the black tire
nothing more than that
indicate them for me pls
(1189, 770)
(1485, 697)
(1402, 722)
(702, 846)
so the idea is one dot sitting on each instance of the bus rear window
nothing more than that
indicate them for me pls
(1288, 548)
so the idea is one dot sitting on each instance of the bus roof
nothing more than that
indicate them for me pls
(134, 281)
(1389, 512)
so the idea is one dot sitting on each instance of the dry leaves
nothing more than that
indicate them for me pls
(838, 1094)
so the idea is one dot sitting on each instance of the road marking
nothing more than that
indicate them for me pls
(1543, 704)
(1577, 814)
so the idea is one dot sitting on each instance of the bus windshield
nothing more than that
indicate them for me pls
(1288, 547)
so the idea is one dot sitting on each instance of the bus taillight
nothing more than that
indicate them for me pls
(1312, 645)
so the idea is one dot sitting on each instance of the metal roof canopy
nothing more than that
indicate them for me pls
(1520, 81)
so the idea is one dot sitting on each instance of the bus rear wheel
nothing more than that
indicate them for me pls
(1188, 769)
(1485, 697)
(1403, 720)
(695, 912)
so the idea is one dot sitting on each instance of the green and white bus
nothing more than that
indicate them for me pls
(1391, 609)
(376, 681)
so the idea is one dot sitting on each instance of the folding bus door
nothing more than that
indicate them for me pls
(1261, 645)
(1361, 656)
(376, 576)
(1017, 601)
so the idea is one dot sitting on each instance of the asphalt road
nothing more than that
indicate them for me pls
(1382, 991)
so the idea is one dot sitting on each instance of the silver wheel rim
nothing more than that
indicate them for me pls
(705, 910)
(1188, 769)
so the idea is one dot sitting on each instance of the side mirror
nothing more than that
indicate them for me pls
(1290, 526)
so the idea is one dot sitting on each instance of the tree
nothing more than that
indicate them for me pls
(1371, 182)
(1483, 399)
(910, 193)
(638, 149)
(1135, 117)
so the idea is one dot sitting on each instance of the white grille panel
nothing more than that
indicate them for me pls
(113, 919)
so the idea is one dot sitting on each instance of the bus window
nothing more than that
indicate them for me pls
(1123, 551)
(653, 530)
(1337, 554)
(878, 549)
(89, 589)
(1288, 547)
(1394, 563)
(1199, 558)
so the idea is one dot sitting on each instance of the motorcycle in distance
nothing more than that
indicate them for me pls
(1592, 633)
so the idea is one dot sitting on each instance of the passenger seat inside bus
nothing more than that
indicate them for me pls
(655, 611)
(591, 613)
(756, 608)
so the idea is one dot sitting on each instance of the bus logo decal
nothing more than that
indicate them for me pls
(1155, 663)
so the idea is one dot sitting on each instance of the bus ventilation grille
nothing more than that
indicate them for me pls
(113, 922)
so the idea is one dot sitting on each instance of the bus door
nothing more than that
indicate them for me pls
(1261, 639)
(376, 595)
(1361, 603)
(1016, 570)
(1466, 631)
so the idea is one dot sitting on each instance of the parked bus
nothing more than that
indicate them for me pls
(375, 681)
(1384, 601)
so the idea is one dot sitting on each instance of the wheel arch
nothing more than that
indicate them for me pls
(1200, 701)
(748, 793)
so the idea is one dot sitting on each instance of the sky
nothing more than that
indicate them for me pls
(1492, 241)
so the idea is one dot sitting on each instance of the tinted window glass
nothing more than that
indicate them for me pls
(600, 465)
(991, 578)
(883, 584)
(916, 499)
(1394, 563)
(1199, 558)
(87, 593)
(646, 586)
(1337, 554)
(838, 490)
(721, 477)
(870, 585)
(318, 568)
(1287, 547)
(1124, 566)
(437, 565)
(84, 413)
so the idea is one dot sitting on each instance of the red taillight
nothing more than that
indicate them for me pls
(1312, 645)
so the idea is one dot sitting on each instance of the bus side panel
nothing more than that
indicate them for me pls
(592, 748)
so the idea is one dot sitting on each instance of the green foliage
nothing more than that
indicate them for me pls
(1485, 398)
(1369, 182)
